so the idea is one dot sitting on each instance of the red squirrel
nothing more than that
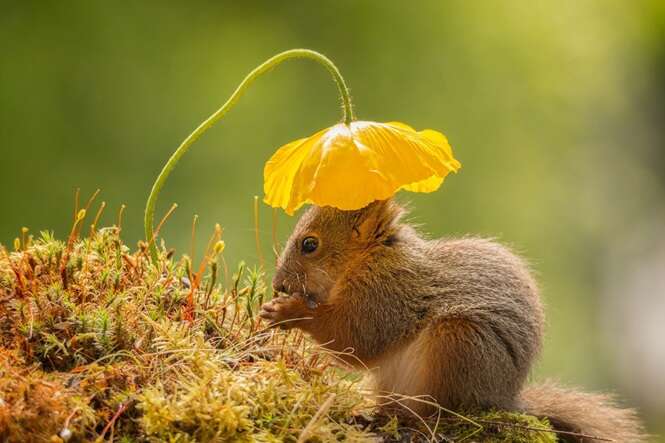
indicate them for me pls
(457, 320)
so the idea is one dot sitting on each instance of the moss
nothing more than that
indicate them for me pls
(99, 343)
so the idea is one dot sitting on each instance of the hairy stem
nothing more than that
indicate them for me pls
(215, 117)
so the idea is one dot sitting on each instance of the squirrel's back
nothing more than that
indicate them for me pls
(484, 280)
(482, 332)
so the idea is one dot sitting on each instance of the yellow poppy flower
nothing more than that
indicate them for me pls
(350, 166)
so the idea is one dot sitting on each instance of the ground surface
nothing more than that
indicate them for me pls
(99, 344)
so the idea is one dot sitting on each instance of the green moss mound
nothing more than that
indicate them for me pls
(100, 344)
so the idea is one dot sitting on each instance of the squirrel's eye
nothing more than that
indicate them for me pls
(309, 245)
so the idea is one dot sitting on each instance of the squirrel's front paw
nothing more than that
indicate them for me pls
(286, 311)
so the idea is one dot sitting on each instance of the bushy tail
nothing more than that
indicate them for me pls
(594, 415)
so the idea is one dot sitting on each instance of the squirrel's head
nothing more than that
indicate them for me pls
(326, 241)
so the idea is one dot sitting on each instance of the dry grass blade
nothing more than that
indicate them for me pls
(324, 408)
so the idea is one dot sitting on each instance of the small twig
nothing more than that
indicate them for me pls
(415, 414)
(288, 418)
(122, 408)
(322, 410)
(69, 417)
(256, 232)
(420, 399)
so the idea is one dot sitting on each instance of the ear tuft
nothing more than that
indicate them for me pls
(378, 222)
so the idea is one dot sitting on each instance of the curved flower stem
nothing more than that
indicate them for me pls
(214, 118)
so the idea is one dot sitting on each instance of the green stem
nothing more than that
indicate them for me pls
(214, 118)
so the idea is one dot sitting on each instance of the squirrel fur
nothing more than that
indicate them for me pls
(458, 321)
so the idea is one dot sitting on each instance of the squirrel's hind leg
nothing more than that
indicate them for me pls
(455, 363)
(401, 380)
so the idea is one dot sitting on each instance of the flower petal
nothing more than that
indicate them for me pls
(428, 185)
(280, 173)
(349, 166)
(401, 125)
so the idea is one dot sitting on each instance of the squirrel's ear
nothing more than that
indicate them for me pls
(377, 221)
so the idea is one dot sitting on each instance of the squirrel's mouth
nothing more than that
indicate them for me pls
(283, 289)
(285, 293)
(288, 290)
(312, 300)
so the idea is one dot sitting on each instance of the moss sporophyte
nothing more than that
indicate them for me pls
(346, 166)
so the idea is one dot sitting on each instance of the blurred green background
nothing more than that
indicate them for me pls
(555, 110)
